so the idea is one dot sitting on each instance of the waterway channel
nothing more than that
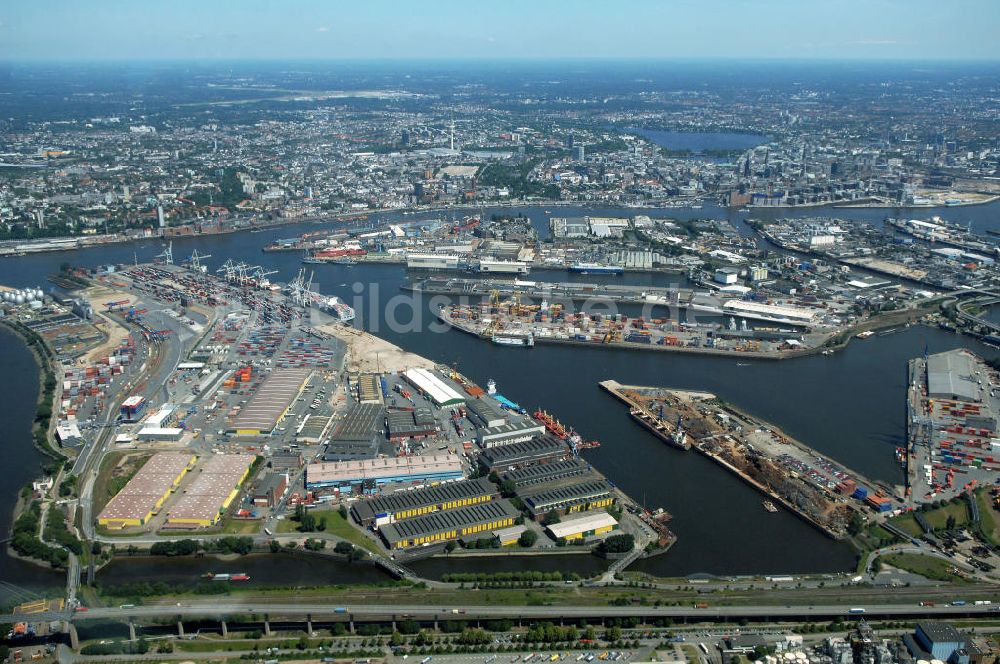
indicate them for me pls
(849, 405)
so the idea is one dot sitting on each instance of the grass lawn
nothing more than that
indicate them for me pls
(926, 566)
(939, 518)
(990, 517)
(335, 525)
(240, 527)
(908, 523)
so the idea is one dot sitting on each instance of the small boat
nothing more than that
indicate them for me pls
(865, 334)
(769, 506)
(827, 352)
(742, 364)
(524, 342)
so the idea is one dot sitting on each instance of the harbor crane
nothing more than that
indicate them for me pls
(194, 262)
(167, 254)
(117, 305)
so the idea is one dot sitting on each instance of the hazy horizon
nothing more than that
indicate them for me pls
(257, 30)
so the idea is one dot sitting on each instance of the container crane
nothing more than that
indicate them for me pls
(168, 254)
(117, 305)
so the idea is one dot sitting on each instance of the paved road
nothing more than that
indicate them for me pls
(424, 612)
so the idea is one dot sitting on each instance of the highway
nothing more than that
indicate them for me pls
(374, 612)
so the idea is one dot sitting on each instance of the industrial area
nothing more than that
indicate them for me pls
(229, 403)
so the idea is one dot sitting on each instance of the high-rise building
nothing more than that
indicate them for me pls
(569, 142)
(580, 153)
(126, 194)
(405, 138)
(159, 216)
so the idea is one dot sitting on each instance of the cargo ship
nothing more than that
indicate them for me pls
(657, 427)
(522, 342)
(239, 576)
(596, 268)
(333, 305)
(552, 425)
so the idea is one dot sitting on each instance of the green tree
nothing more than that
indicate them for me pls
(551, 517)
(527, 538)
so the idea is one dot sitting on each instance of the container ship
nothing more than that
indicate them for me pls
(333, 305)
(596, 268)
(522, 342)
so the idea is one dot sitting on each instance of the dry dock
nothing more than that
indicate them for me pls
(814, 487)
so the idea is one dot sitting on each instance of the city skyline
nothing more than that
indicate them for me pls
(719, 29)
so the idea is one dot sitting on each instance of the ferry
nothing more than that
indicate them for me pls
(769, 506)
(596, 268)
(523, 342)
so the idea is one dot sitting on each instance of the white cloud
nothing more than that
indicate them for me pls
(877, 42)
(322, 28)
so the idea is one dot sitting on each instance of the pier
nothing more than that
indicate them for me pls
(785, 470)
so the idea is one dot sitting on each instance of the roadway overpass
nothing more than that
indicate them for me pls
(321, 611)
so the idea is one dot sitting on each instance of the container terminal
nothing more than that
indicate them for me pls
(953, 400)
(246, 399)
(814, 487)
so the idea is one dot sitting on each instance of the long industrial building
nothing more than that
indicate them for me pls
(271, 401)
(408, 504)
(212, 491)
(542, 449)
(437, 390)
(146, 492)
(376, 472)
(449, 525)
(545, 473)
(571, 498)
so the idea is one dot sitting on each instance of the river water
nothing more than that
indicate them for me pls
(849, 405)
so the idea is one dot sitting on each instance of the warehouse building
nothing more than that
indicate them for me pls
(270, 489)
(358, 435)
(577, 497)
(509, 536)
(546, 473)
(517, 430)
(160, 434)
(146, 492)
(313, 429)
(418, 423)
(449, 525)
(951, 375)
(370, 389)
(271, 401)
(434, 387)
(486, 413)
(381, 471)
(432, 261)
(400, 505)
(212, 491)
(285, 460)
(583, 526)
(541, 449)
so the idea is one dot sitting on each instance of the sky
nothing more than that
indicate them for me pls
(498, 29)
